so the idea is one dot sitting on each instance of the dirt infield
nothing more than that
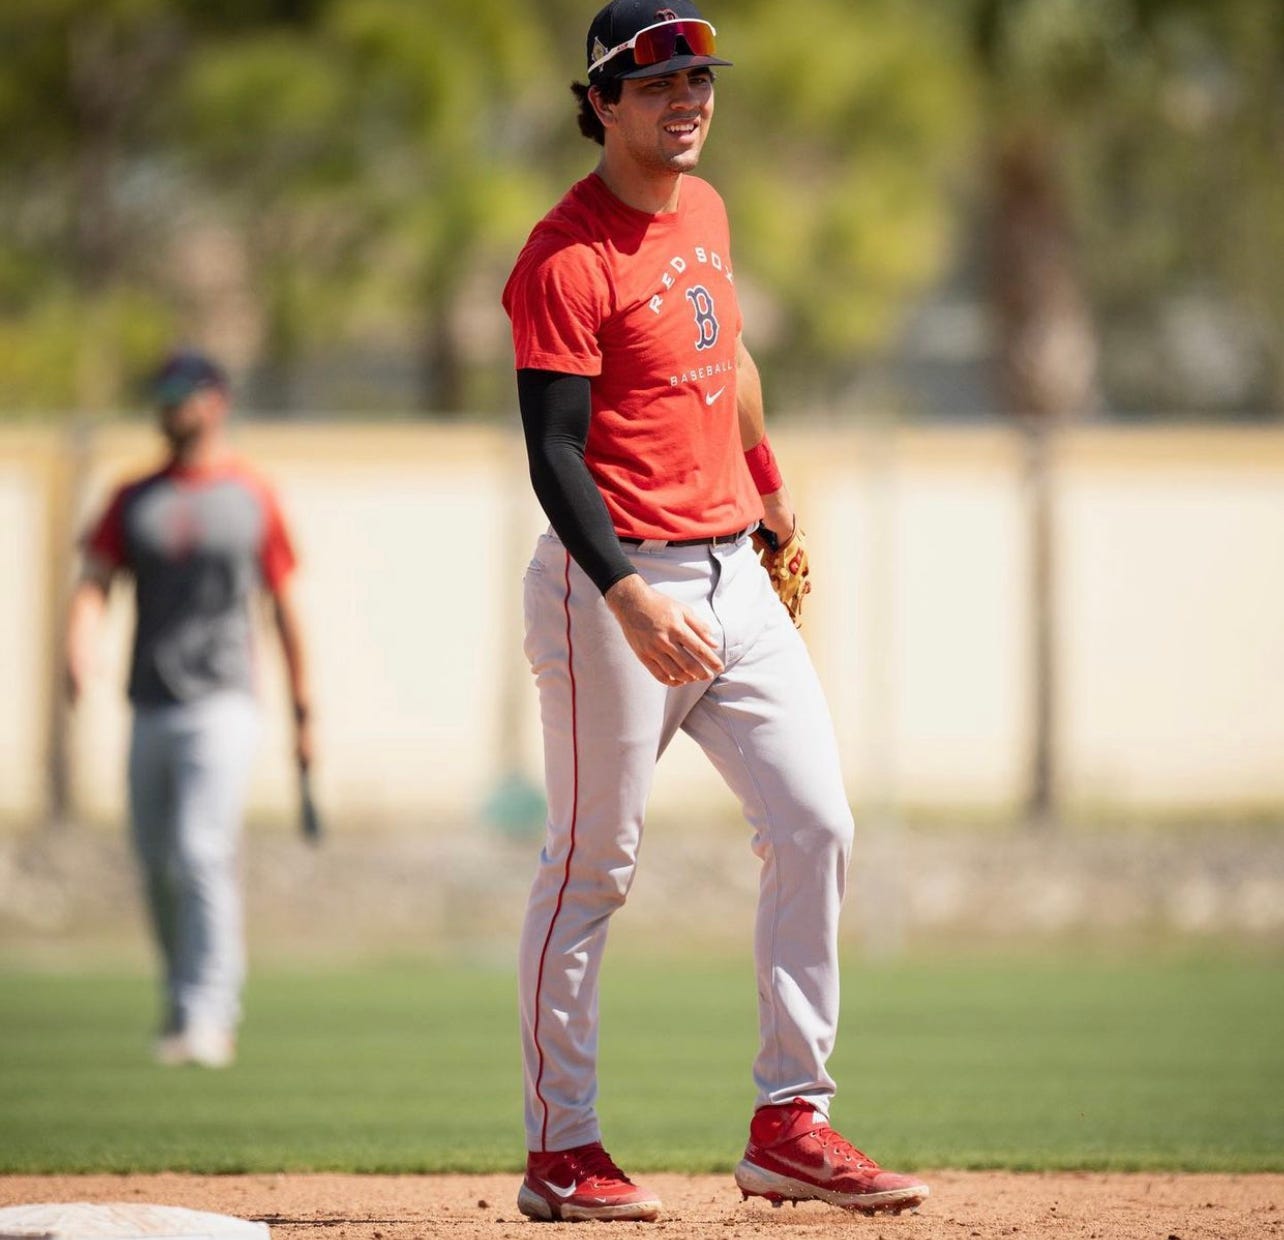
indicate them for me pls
(964, 1205)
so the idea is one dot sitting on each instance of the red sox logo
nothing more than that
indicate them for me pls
(665, 15)
(181, 530)
(706, 320)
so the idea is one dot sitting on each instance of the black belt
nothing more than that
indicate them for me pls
(716, 540)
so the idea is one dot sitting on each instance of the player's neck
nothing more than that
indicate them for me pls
(654, 193)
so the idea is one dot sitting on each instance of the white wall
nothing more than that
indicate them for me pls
(413, 540)
(1172, 600)
(24, 623)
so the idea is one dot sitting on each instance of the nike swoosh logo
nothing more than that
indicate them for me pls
(708, 400)
(819, 1173)
(563, 1193)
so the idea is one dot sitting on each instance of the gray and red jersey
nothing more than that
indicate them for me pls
(198, 543)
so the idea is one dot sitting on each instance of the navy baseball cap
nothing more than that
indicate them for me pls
(643, 38)
(182, 374)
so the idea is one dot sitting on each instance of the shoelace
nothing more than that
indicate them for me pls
(835, 1141)
(596, 1164)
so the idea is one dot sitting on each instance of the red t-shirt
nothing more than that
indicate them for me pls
(645, 306)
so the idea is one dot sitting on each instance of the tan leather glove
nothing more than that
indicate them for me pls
(787, 566)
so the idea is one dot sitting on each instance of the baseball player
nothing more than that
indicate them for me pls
(648, 610)
(198, 536)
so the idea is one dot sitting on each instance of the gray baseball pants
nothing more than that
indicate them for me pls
(765, 726)
(189, 767)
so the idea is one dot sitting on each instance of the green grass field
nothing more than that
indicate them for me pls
(414, 1067)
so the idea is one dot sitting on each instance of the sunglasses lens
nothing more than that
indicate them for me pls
(659, 44)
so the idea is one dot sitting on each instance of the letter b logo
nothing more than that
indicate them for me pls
(706, 320)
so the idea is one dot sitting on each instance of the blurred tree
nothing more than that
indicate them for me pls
(291, 194)
(88, 203)
(1040, 62)
(1076, 93)
(1180, 193)
(389, 172)
(1150, 132)
(353, 177)
(74, 77)
(446, 99)
(840, 133)
(398, 153)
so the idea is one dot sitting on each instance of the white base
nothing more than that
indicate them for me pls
(122, 1221)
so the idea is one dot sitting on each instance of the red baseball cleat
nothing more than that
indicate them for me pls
(582, 1184)
(794, 1155)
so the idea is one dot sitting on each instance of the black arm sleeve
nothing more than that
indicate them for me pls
(555, 419)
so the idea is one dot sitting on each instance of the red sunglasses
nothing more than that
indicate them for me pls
(656, 44)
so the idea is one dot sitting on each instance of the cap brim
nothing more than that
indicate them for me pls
(672, 65)
(176, 391)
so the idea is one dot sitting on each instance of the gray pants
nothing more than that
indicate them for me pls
(764, 725)
(189, 767)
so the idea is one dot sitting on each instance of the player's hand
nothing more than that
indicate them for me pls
(787, 567)
(674, 645)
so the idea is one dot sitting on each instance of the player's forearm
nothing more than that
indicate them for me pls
(555, 416)
(777, 504)
(778, 513)
(293, 650)
(84, 620)
(579, 517)
(749, 404)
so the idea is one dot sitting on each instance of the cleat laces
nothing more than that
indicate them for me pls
(595, 1163)
(835, 1143)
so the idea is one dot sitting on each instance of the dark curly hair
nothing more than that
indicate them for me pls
(610, 89)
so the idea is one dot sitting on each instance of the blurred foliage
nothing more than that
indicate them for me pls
(1179, 187)
(838, 137)
(1163, 123)
(314, 187)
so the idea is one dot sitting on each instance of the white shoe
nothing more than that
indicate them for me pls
(209, 1047)
(206, 1047)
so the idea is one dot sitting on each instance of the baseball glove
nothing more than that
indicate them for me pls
(787, 566)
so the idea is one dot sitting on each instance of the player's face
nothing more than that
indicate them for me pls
(189, 420)
(662, 122)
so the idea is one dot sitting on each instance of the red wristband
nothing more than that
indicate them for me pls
(763, 468)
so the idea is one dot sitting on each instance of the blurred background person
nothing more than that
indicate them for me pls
(200, 535)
